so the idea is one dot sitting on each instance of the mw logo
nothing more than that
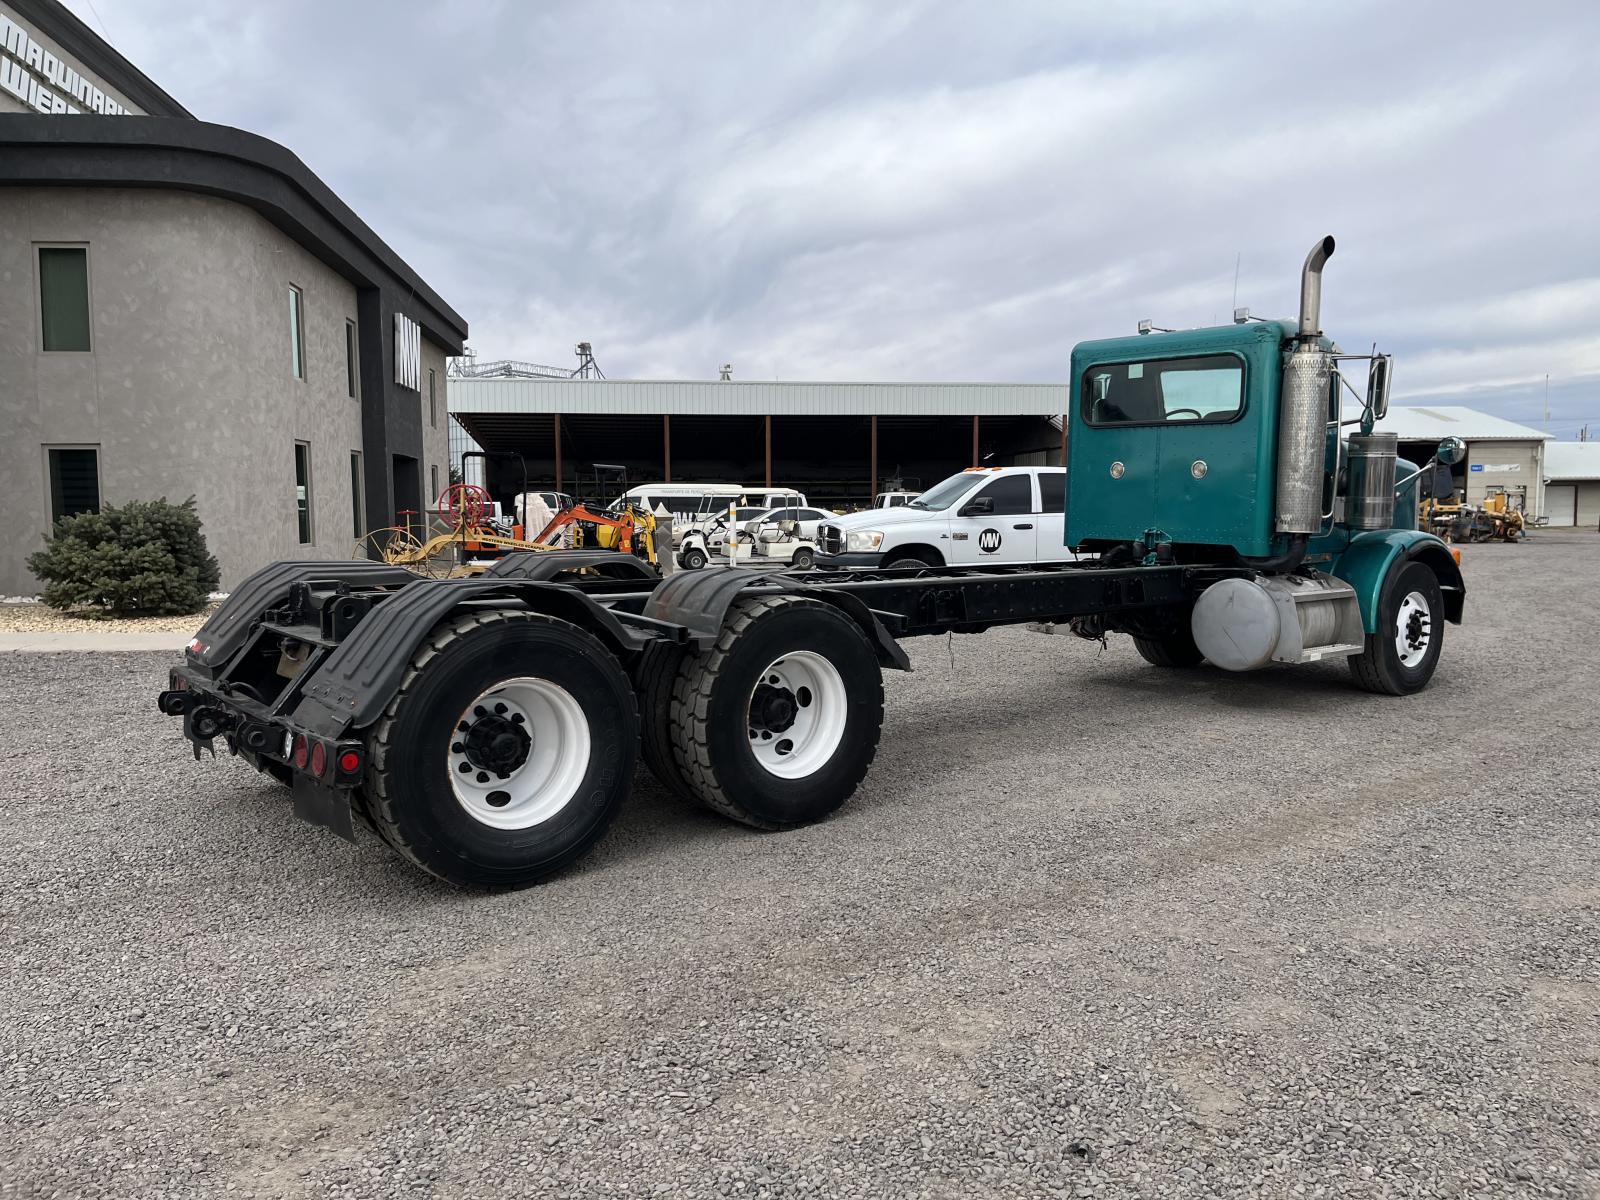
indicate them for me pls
(989, 541)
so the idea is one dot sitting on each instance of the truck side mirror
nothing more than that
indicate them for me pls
(1378, 386)
(981, 507)
(1451, 451)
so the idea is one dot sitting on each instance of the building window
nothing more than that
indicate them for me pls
(302, 489)
(358, 510)
(297, 332)
(64, 297)
(350, 357)
(433, 478)
(433, 404)
(74, 480)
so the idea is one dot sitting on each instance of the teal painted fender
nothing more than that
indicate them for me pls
(1367, 560)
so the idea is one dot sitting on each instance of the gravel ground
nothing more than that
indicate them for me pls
(1090, 928)
(37, 618)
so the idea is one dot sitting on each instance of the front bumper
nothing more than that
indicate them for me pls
(855, 560)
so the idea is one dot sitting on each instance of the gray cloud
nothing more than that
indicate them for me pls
(946, 191)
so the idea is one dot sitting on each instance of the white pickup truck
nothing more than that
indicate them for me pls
(981, 515)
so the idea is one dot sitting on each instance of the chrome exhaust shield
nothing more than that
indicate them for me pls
(1303, 408)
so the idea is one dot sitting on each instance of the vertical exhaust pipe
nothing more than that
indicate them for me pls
(1311, 288)
(1303, 409)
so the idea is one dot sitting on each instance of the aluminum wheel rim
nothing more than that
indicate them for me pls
(1413, 632)
(551, 769)
(816, 695)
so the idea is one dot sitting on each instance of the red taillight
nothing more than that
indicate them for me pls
(302, 752)
(319, 759)
(349, 762)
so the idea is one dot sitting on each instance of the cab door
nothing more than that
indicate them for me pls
(1005, 530)
(1050, 535)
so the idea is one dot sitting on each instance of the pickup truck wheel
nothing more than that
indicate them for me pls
(777, 724)
(693, 558)
(1400, 658)
(802, 560)
(906, 561)
(507, 751)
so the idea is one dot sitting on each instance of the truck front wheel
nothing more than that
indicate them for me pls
(507, 751)
(1175, 648)
(777, 724)
(1400, 658)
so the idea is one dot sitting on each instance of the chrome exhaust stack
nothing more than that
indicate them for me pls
(1303, 409)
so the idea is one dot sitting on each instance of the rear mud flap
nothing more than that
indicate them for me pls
(324, 806)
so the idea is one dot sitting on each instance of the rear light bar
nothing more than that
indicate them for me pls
(339, 763)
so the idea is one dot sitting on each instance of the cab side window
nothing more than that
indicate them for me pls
(1012, 495)
(1052, 492)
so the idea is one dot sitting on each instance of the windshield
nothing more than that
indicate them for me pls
(941, 496)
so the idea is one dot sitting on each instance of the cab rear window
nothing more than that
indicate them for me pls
(1164, 391)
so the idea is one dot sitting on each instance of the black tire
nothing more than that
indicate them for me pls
(1379, 668)
(1174, 650)
(907, 560)
(711, 712)
(802, 560)
(656, 676)
(409, 789)
(693, 559)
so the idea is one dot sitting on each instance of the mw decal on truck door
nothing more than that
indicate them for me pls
(989, 541)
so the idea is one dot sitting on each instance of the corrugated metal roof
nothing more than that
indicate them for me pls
(754, 397)
(1437, 422)
(1571, 460)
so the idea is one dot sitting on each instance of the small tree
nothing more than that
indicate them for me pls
(146, 557)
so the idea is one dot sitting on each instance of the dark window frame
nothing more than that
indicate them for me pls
(433, 402)
(305, 514)
(358, 508)
(1086, 392)
(1004, 480)
(297, 332)
(82, 248)
(352, 360)
(1057, 478)
(52, 476)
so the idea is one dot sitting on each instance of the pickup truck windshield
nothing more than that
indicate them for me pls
(942, 495)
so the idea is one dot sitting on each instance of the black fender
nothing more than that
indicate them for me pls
(546, 564)
(699, 601)
(358, 679)
(229, 627)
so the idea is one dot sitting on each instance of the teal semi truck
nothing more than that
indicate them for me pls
(487, 728)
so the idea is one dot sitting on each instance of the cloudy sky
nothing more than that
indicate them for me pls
(945, 191)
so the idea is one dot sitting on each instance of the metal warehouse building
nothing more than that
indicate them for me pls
(837, 442)
(1572, 483)
(1500, 453)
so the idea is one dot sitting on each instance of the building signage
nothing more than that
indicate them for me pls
(407, 352)
(1497, 466)
(42, 81)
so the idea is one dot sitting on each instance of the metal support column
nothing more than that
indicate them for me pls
(769, 449)
(559, 488)
(872, 494)
(666, 448)
(974, 439)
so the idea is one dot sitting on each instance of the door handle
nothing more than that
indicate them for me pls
(1029, 525)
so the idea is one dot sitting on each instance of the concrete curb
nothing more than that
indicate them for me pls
(112, 640)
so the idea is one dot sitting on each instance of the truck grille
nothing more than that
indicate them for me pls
(830, 540)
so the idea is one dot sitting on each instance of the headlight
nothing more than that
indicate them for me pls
(863, 539)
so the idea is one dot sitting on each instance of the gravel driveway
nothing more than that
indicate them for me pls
(1090, 928)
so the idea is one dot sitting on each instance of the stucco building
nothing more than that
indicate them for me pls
(186, 309)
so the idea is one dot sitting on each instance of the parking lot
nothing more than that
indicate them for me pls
(1089, 928)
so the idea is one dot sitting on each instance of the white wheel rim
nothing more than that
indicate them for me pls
(796, 715)
(1413, 629)
(505, 794)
